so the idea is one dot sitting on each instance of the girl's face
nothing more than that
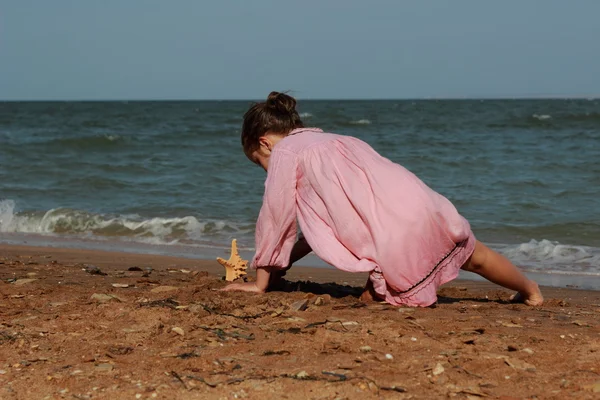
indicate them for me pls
(263, 153)
(261, 157)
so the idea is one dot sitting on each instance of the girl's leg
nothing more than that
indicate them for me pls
(498, 269)
(368, 293)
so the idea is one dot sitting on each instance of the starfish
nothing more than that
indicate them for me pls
(235, 267)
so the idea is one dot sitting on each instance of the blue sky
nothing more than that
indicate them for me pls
(226, 49)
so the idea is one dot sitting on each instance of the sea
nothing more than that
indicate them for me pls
(170, 177)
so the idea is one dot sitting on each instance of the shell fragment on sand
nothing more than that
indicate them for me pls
(235, 267)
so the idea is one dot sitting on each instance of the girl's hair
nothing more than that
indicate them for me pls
(277, 115)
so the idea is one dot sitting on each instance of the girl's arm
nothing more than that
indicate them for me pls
(301, 248)
(263, 276)
(267, 276)
(276, 225)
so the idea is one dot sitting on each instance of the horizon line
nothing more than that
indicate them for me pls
(425, 98)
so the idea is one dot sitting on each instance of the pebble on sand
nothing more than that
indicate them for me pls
(438, 369)
(104, 367)
(178, 330)
(103, 298)
(20, 282)
(299, 305)
(162, 289)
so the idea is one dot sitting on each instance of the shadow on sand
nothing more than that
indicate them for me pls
(338, 291)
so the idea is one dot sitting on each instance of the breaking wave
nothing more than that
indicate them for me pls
(65, 221)
(553, 257)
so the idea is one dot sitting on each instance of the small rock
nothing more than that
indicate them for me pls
(528, 350)
(510, 325)
(302, 375)
(365, 349)
(185, 271)
(198, 309)
(389, 356)
(2, 372)
(138, 395)
(30, 274)
(162, 289)
(20, 282)
(102, 298)
(519, 364)
(349, 323)
(104, 367)
(120, 285)
(323, 300)
(178, 330)
(93, 270)
(512, 348)
(134, 269)
(438, 369)
(373, 387)
(299, 305)
(414, 339)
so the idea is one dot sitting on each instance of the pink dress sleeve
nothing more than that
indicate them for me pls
(276, 225)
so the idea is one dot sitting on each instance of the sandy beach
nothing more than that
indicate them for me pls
(81, 324)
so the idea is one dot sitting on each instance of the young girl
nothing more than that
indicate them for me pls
(359, 212)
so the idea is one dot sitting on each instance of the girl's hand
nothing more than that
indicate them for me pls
(243, 287)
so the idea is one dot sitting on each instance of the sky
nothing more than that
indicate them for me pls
(317, 49)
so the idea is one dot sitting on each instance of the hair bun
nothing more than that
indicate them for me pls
(281, 102)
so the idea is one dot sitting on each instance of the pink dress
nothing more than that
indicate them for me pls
(360, 212)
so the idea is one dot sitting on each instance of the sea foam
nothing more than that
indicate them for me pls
(546, 255)
(157, 230)
(361, 122)
(542, 117)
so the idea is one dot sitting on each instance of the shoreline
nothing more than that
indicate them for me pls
(32, 244)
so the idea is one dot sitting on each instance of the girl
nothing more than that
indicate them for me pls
(359, 212)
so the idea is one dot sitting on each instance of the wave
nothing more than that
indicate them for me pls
(552, 256)
(583, 117)
(536, 255)
(590, 116)
(306, 115)
(157, 230)
(557, 119)
(82, 142)
(541, 117)
(361, 122)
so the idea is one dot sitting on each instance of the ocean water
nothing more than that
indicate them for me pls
(170, 177)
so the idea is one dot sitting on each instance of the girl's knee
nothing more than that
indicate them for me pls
(477, 259)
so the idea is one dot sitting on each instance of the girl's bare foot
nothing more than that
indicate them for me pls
(369, 295)
(533, 297)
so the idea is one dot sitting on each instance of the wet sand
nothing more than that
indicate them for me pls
(84, 324)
